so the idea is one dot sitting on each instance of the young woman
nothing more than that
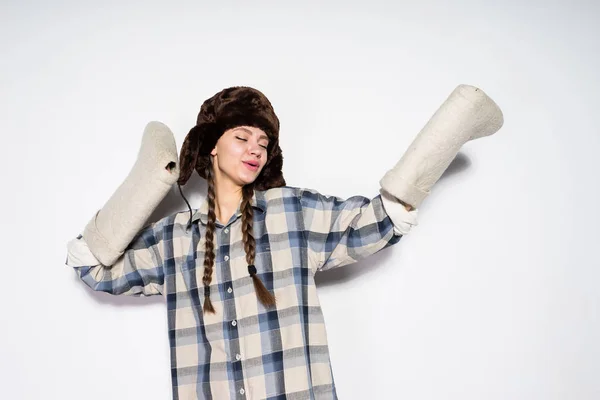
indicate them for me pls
(238, 273)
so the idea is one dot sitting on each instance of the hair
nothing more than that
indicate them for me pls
(264, 296)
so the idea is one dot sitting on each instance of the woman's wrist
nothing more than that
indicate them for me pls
(407, 206)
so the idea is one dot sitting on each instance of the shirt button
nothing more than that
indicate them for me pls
(238, 357)
(229, 290)
(234, 322)
(226, 258)
(226, 230)
(242, 391)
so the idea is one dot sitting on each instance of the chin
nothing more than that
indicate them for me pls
(247, 179)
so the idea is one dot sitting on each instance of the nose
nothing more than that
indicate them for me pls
(255, 149)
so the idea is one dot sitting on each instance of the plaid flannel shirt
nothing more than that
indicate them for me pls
(245, 351)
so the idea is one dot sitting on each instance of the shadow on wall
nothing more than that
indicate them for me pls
(354, 271)
(195, 192)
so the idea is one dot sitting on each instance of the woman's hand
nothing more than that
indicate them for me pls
(407, 206)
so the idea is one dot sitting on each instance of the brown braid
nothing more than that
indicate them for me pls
(209, 246)
(264, 296)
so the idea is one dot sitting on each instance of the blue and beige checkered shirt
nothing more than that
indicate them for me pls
(245, 351)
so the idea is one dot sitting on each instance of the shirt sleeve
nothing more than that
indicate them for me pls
(139, 271)
(340, 232)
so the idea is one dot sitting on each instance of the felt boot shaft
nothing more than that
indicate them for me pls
(126, 212)
(467, 114)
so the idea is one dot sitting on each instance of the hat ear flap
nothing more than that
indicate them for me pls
(188, 155)
(272, 175)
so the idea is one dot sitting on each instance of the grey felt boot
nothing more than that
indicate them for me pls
(126, 212)
(467, 114)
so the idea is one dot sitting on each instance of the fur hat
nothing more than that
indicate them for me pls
(230, 108)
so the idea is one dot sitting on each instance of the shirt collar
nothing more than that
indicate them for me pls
(258, 201)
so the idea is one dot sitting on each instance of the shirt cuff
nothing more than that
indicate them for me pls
(79, 254)
(402, 219)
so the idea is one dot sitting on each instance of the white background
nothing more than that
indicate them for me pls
(494, 295)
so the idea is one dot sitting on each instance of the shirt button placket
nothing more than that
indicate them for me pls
(225, 239)
(226, 257)
(241, 393)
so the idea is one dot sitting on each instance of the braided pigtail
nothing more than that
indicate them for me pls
(209, 246)
(264, 296)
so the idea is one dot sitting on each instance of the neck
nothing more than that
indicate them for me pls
(227, 199)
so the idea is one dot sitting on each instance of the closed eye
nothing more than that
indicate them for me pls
(245, 140)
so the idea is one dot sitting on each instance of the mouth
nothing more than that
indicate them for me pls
(251, 165)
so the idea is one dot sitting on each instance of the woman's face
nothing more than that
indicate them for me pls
(240, 155)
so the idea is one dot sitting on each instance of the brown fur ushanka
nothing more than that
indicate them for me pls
(230, 108)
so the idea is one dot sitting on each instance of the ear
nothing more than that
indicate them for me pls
(214, 151)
